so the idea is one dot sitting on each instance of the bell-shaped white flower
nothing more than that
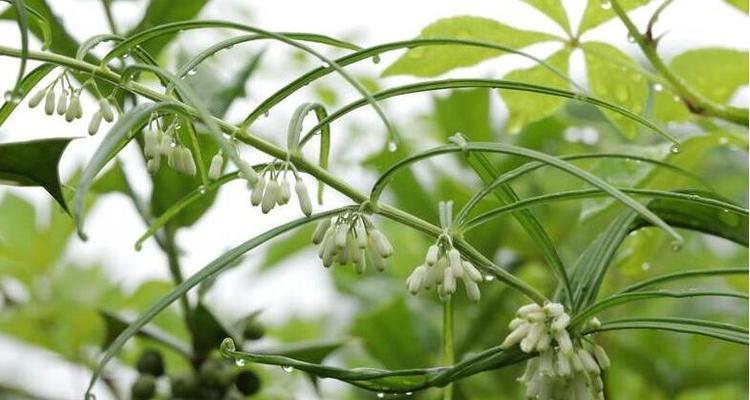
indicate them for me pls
(216, 166)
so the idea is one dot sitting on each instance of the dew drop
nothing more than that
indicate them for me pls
(675, 149)
(631, 39)
(409, 393)
(202, 189)
(392, 146)
(489, 278)
(381, 395)
(125, 56)
(266, 114)
(658, 87)
(240, 362)
(606, 4)
(723, 141)
(192, 72)
(376, 59)
(646, 266)
(676, 98)
(287, 368)
(676, 245)
(729, 218)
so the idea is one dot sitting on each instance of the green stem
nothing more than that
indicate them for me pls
(695, 102)
(107, 4)
(173, 260)
(448, 355)
(272, 150)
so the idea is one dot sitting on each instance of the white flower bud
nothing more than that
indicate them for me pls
(75, 103)
(361, 265)
(538, 316)
(37, 98)
(329, 251)
(214, 170)
(415, 281)
(432, 255)
(189, 162)
(454, 259)
(361, 232)
(435, 273)
(528, 308)
(528, 344)
(106, 110)
(257, 196)
(472, 272)
(598, 383)
(96, 120)
(304, 198)
(560, 323)
(321, 230)
(594, 323)
(342, 230)
(563, 340)
(554, 309)
(472, 290)
(544, 342)
(377, 260)
(62, 104)
(546, 363)
(248, 173)
(576, 362)
(285, 191)
(73, 106)
(382, 245)
(516, 322)
(589, 363)
(165, 145)
(562, 365)
(172, 155)
(49, 102)
(601, 357)
(153, 164)
(270, 196)
(354, 251)
(449, 282)
(515, 336)
(150, 144)
(342, 256)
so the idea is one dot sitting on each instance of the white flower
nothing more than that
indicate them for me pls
(217, 163)
(348, 238)
(321, 230)
(432, 255)
(49, 102)
(601, 357)
(152, 165)
(270, 196)
(248, 173)
(37, 98)
(303, 196)
(285, 191)
(62, 104)
(74, 108)
(96, 120)
(257, 195)
(106, 110)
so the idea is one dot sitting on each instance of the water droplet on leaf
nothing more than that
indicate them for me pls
(192, 72)
(675, 149)
(376, 59)
(677, 245)
(646, 266)
(240, 362)
(631, 39)
(381, 395)
(489, 278)
(606, 4)
(392, 146)
(287, 368)
(658, 87)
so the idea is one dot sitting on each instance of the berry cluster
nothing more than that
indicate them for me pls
(443, 265)
(349, 238)
(563, 369)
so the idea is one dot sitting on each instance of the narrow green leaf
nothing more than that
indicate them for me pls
(672, 325)
(741, 5)
(34, 163)
(160, 12)
(115, 324)
(524, 109)
(428, 62)
(696, 273)
(28, 83)
(23, 26)
(615, 77)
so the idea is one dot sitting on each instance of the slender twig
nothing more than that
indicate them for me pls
(107, 4)
(695, 101)
(173, 260)
(448, 351)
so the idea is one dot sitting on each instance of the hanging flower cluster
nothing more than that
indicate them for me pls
(443, 264)
(165, 142)
(563, 369)
(349, 238)
(68, 103)
(271, 187)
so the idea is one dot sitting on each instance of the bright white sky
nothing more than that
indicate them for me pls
(113, 226)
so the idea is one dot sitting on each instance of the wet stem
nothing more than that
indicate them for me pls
(448, 351)
(272, 150)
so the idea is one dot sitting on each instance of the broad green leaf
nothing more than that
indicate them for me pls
(387, 335)
(614, 76)
(553, 9)
(715, 73)
(34, 163)
(524, 108)
(161, 12)
(62, 42)
(741, 5)
(465, 111)
(207, 331)
(433, 61)
(28, 83)
(598, 12)
(113, 180)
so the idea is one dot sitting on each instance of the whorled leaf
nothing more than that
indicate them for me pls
(598, 12)
(427, 62)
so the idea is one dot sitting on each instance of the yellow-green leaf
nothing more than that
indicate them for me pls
(525, 108)
(436, 60)
(553, 9)
(600, 11)
(614, 76)
(741, 5)
(715, 73)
